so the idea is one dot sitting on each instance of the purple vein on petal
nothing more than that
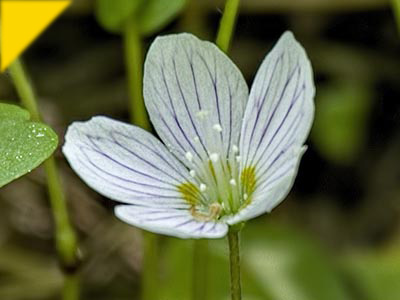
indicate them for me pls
(98, 150)
(272, 114)
(186, 107)
(257, 103)
(175, 117)
(117, 185)
(293, 101)
(292, 130)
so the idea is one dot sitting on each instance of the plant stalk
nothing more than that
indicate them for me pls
(139, 117)
(234, 259)
(71, 287)
(66, 240)
(134, 65)
(396, 11)
(227, 24)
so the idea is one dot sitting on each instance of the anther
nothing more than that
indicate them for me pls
(245, 196)
(203, 187)
(192, 173)
(196, 139)
(202, 114)
(189, 156)
(235, 149)
(232, 182)
(217, 127)
(214, 157)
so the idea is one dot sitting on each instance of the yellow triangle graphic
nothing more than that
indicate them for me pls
(24, 21)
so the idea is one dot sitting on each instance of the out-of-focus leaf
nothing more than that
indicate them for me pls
(156, 14)
(375, 276)
(149, 16)
(112, 14)
(177, 269)
(289, 266)
(277, 264)
(176, 275)
(23, 144)
(28, 276)
(342, 113)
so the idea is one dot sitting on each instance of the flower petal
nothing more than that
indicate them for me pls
(175, 222)
(195, 97)
(125, 163)
(277, 120)
(272, 191)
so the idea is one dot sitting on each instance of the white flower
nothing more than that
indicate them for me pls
(228, 156)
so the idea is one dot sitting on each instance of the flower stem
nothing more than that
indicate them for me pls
(224, 37)
(24, 89)
(396, 11)
(138, 115)
(71, 287)
(223, 41)
(200, 258)
(134, 65)
(234, 258)
(227, 24)
(66, 241)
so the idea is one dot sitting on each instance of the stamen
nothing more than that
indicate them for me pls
(217, 127)
(203, 187)
(192, 173)
(215, 210)
(202, 114)
(214, 157)
(235, 149)
(232, 182)
(189, 156)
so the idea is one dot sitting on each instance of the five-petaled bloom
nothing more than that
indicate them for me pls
(229, 156)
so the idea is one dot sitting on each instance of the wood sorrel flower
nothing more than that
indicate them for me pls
(227, 156)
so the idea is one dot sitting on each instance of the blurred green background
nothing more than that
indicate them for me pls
(337, 236)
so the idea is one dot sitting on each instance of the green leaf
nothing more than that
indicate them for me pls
(158, 13)
(112, 14)
(375, 275)
(149, 16)
(8, 111)
(28, 275)
(342, 113)
(290, 266)
(24, 145)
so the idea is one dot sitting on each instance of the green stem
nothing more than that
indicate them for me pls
(396, 11)
(234, 258)
(227, 24)
(66, 241)
(224, 37)
(71, 287)
(24, 89)
(134, 65)
(200, 259)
